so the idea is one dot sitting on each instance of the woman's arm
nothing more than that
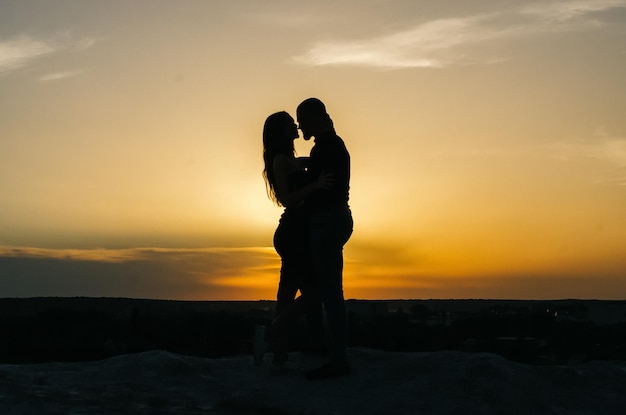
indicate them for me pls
(283, 167)
(303, 162)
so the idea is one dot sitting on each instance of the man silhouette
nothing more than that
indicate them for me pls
(330, 227)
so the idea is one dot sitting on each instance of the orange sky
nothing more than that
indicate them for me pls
(488, 145)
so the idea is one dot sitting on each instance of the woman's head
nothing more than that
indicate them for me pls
(279, 131)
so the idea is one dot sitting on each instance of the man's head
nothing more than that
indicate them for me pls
(312, 117)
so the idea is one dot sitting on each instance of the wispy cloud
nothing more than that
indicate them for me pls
(21, 51)
(18, 52)
(410, 48)
(602, 147)
(445, 42)
(562, 11)
(606, 151)
(59, 75)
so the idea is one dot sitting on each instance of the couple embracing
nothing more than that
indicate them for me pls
(314, 227)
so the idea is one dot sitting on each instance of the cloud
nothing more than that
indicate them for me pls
(446, 42)
(212, 273)
(59, 75)
(23, 50)
(562, 11)
(97, 255)
(416, 47)
(601, 147)
(83, 43)
(606, 148)
(18, 52)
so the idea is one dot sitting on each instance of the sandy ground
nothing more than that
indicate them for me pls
(159, 382)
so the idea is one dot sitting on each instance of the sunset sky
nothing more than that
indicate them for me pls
(488, 145)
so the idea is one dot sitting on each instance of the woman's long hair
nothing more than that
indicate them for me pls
(275, 141)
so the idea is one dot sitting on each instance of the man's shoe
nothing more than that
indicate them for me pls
(328, 370)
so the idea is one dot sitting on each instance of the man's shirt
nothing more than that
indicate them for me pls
(329, 155)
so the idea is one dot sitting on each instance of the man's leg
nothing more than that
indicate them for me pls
(329, 232)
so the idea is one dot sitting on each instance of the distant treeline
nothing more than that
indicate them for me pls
(81, 329)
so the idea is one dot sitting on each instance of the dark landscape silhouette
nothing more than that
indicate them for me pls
(534, 332)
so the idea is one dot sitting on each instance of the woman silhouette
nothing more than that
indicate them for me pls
(287, 186)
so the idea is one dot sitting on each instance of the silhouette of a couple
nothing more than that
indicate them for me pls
(314, 227)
